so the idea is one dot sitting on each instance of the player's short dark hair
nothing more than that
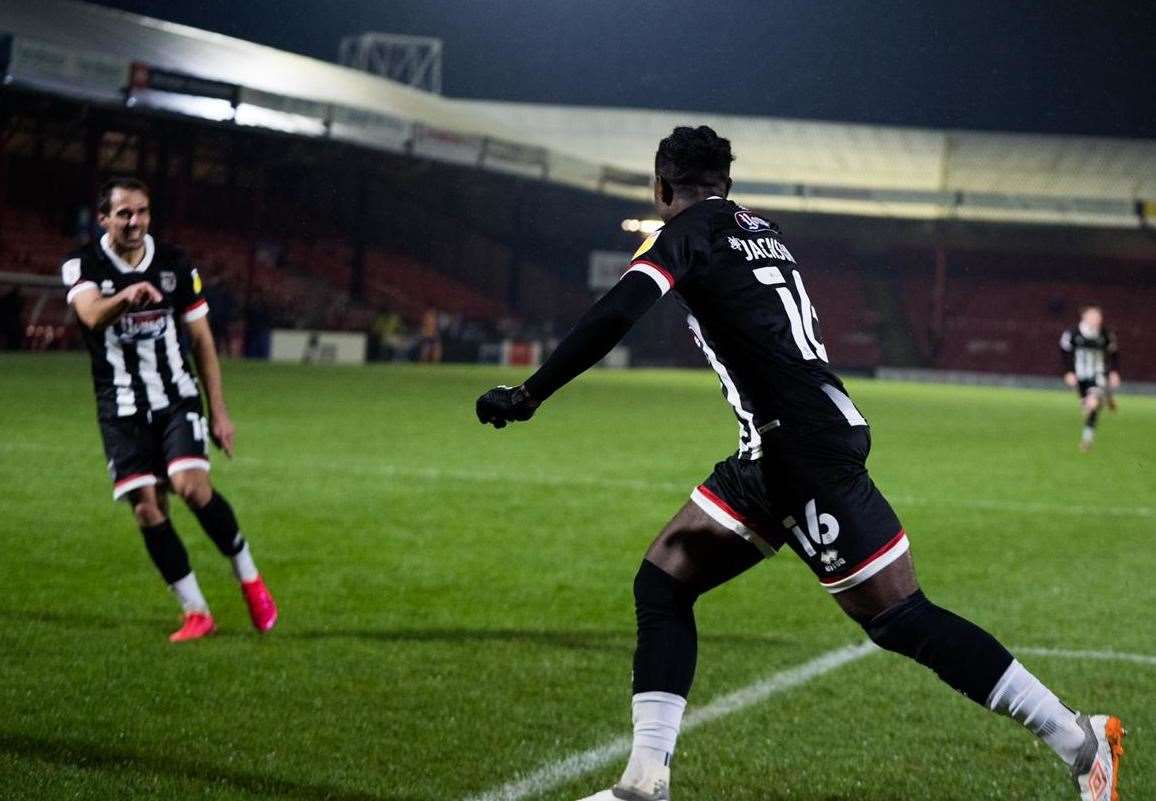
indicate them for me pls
(694, 157)
(104, 199)
(1089, 306)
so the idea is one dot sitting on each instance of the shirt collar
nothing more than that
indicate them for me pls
(1088, 332)
(121, 264)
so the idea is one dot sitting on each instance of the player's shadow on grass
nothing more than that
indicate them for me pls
(574, 640)
(111, 761)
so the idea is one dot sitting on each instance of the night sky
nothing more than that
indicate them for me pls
(1057, 67)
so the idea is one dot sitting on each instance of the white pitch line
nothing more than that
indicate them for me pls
(1103, 656)
(558, 773)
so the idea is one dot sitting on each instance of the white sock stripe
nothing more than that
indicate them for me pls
(189, 594)
(243, 566)
(1022, 697)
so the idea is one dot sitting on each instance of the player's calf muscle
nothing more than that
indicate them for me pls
(899, 618)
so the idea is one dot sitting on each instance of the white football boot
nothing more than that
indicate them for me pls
(1096, 770)
(653, 784)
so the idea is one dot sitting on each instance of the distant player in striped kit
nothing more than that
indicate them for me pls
(128, 292)
(1091, 363)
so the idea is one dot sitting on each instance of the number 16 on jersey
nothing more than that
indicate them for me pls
(800, 312)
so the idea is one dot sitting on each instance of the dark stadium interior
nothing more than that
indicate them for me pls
(299, 233)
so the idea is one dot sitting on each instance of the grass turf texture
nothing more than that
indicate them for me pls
(456, 603)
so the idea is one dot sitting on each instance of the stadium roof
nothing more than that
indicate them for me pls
(783, 163)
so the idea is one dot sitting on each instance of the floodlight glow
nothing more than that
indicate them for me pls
(207, 108)
(261, 117)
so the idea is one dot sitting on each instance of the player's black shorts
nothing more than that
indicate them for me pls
(145, 449)
(1086, 387)
(813, 493)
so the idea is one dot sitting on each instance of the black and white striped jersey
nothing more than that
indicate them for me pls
(138, 363)
(1091, 355)
(749, 313)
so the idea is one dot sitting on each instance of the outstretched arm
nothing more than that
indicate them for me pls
(601, 328)
(1068, 359)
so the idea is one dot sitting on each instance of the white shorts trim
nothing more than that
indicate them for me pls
(873, 565)
(188, 463)
(122, 488)
(726, 519)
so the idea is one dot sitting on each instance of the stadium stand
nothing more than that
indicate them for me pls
(357, 198)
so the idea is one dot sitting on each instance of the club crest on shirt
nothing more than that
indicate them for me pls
(107, 288)
(751, 222)
(168, 281)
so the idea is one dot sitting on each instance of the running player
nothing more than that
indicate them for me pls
(799, 477)
(128, 291)
(1091, 365)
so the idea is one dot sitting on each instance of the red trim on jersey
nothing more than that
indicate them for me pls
(898, 538)
(196, 305)
(665, 272)
(726, 507)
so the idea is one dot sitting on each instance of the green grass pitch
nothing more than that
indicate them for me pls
(456, 601)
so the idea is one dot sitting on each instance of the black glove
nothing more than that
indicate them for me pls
(503, 405)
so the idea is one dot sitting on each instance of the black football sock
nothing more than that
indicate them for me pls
(1092, 417)
(961, 653)
(167, 551)
(664, 659)
(217, 519)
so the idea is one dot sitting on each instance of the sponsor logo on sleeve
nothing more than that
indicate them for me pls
(196, 282)
(751, 222)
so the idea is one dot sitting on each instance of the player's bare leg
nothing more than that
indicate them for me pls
(150, 508)
(216, 517)
(898, 617)
(1091, 404)
(692, 555)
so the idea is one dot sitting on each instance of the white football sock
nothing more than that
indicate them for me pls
(243, 565)
(1088, 435)
(189, 594)
(657, 719)
(1020, 695)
